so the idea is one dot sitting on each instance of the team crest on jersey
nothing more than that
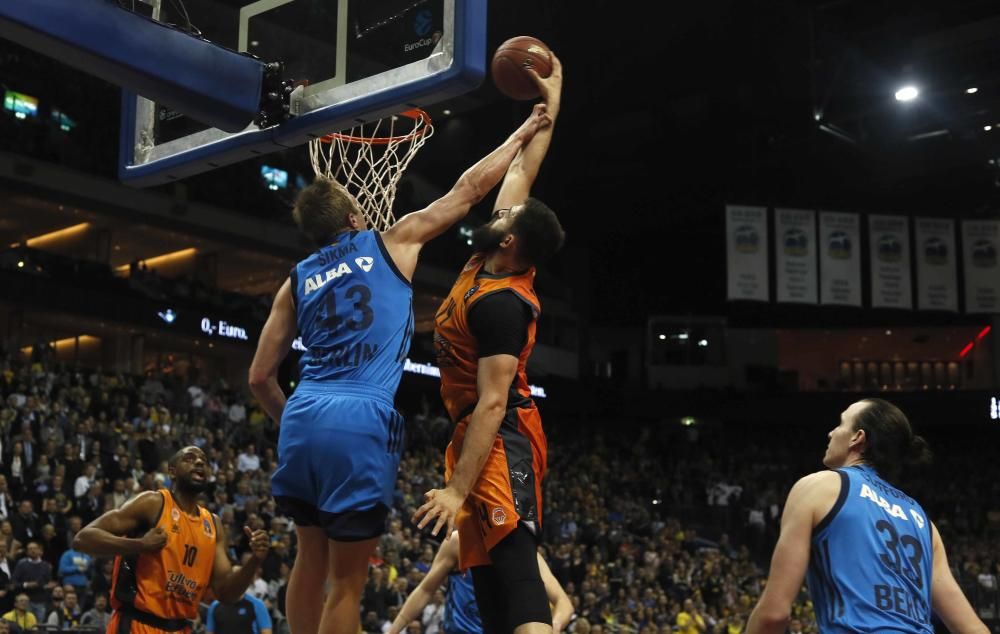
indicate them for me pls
(365, 263)
(208, 527)
(499, 517)
(175, 515)
(469, 293)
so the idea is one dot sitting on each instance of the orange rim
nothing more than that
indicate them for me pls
(415, 114)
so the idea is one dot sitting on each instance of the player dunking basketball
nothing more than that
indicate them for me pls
(875, 562)
(341, 439)
(168, 552)
(485, 332)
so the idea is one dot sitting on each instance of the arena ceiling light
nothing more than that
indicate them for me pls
(971, 90)
(907, 93)
(47, 239)
(161, 260)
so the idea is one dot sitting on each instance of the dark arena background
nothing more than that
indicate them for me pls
(772, 210)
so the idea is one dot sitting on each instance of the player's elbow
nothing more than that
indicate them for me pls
(493, 405)
(80, 541)
(773, 618)
(257, 378)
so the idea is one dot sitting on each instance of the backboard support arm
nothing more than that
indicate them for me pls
(205, 81)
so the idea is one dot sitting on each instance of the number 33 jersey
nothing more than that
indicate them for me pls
(871, 560)
(354, 311)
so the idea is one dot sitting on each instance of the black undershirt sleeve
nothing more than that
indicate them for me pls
(499, 322)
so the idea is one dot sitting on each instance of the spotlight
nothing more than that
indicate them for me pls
(987, 128)
(907, 93)
(971, 91)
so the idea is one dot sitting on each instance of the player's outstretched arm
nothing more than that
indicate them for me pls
(444, 561)
(405, 238)
(562, 607)
(494, 377)
(230, 582)
(275, 340)
(105, 536)
(946, 597)
(791, 554)
(524, 168)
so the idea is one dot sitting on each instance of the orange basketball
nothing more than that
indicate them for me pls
(512, 59)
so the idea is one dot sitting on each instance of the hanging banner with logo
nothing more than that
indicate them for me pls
(980, 239)
(795, 255)
(746, 253)
(889, 251)
(839, 258)
(937, 284)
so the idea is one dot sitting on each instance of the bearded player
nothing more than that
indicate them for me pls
(485, 332)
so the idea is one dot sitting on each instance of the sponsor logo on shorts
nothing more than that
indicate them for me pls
(499, 517)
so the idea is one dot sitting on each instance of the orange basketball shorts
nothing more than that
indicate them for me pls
(509, 488)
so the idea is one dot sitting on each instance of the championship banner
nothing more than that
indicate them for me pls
(795, 255)
(980, 239)
(840, 258)
(746, 253)
(937, 286)
(889, 254)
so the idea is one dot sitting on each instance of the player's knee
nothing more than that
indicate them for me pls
(516, 564)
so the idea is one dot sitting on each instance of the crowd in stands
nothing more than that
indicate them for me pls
(650, 529)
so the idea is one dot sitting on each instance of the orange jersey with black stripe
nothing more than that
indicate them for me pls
(457, 351)
(169, 583)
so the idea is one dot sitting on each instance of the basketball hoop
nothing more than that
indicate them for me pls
(370, 165)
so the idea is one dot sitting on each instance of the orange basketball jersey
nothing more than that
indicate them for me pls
(170, 583)
(457, 353)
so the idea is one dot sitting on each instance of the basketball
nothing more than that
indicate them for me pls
(512, 59)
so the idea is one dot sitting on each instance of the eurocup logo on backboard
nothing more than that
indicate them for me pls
(984, 254)
(839, 246)
(935, 251)
(747, 240)
(796, 243)
(890, 249)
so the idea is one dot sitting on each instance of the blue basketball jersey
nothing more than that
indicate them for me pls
(461, 614)
(354, 311)
(871, 560)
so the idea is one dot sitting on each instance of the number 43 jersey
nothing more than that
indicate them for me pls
(354, 311)
(871, 560)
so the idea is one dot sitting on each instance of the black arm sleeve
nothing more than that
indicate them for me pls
(499, 322)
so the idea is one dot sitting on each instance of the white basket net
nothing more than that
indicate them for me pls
(370, 165)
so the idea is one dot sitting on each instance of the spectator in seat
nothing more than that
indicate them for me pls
(33, 577)
(98, 616)
(22, 616)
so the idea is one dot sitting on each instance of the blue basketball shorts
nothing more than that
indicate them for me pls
(338, 453)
